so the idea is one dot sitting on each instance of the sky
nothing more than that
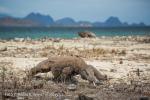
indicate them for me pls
(89, 10)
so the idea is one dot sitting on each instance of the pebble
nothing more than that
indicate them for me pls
(72, 87)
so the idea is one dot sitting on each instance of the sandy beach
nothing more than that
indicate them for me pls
(122, 59)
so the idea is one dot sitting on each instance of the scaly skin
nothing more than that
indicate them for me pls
(64, 67)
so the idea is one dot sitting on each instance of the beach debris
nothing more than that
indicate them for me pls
(3, 48)
(87, 34)
(12, 47)
(123, 52)
(66, 67)
(137, 71)
(19, 39)
(72, 87)
(120, 62)
(56, 40)
(59, 95)
(113, 70)
(5, 97)
(143, 39)
(28, 39)
(38, 84)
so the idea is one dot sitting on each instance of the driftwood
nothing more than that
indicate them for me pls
(65, 67)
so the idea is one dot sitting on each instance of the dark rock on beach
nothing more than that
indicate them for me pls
(84, 97)
(87, 34)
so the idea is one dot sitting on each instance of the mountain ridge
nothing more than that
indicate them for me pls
(37, 19)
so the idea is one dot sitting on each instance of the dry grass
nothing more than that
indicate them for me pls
(13, 87)
(41, 89)
(44, 54)
(95, 52)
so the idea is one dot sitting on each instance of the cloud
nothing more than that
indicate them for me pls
(4, 10)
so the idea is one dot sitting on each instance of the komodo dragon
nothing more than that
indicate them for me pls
(68, 66)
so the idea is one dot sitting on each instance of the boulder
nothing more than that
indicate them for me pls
(87, 34)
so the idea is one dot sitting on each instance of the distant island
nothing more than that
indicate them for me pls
(40, 20)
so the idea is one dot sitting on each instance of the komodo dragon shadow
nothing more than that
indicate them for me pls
(65, 67)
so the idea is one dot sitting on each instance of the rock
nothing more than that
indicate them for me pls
(3, 48)
(144, 98)
(120, 62)
(84, 97)
(37, 84)
(5, 97)
(60, 95)
(72, 87)
(99, 83)
(113, 70)
(87, 34)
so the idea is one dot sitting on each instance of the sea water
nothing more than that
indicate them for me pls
(68, 32)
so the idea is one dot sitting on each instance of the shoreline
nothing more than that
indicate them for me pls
(131, 37)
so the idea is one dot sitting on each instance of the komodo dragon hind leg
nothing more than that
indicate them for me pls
(91, 74)
(96, 75)
(67, 75)
(62, 75)
(56, 73)
(99, 76)
(88, 75)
